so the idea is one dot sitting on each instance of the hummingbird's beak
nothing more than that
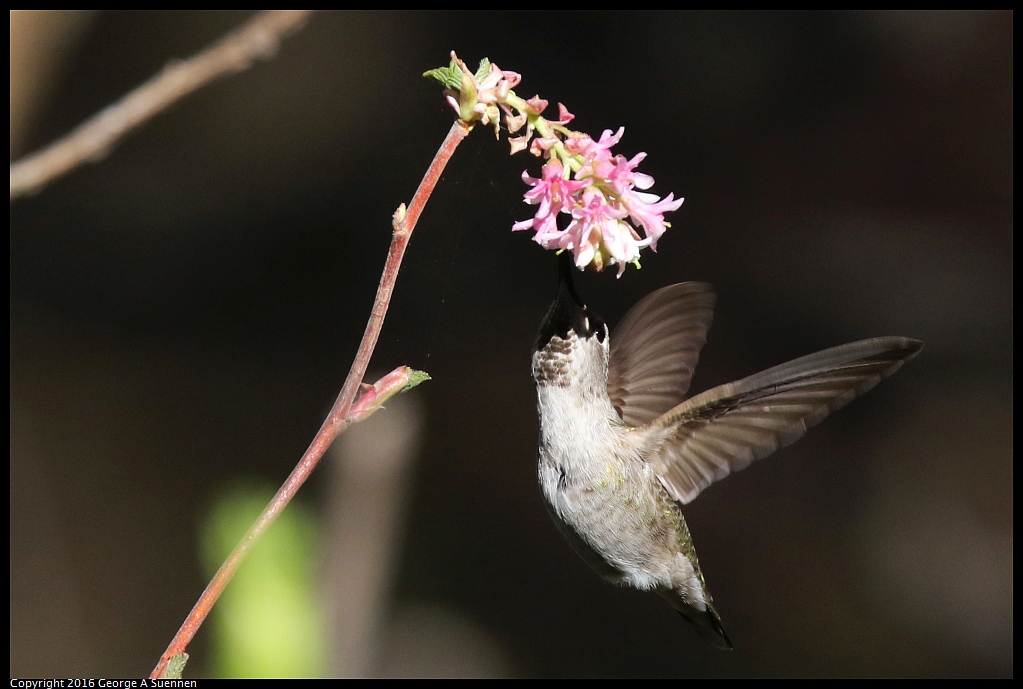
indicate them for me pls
(568, 313)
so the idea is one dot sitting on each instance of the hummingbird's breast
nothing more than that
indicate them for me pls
(603, 495)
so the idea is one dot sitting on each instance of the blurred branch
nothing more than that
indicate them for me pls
(368, 479)
(92, 140)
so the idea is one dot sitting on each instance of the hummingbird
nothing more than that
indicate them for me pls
(622, 448)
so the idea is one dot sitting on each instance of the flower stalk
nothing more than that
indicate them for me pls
(340, 416)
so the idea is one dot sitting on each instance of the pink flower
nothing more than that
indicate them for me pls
(602, 201)
(649, 212)
(553, 193)
(478, 96)
(601, 195)
(597, 234)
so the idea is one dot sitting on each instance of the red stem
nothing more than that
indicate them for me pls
(337, 421)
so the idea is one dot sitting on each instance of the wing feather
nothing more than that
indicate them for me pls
(723, 430)
(655, 349)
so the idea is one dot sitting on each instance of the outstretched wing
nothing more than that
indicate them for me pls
(725, 429)
(655, 348)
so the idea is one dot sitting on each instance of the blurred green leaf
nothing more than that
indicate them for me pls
(267, 623)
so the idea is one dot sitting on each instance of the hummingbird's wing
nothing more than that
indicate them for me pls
(723, 430)
(655, 348)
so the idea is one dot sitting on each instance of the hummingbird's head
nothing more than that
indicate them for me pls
(572, 345)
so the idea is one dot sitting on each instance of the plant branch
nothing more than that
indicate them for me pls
(339, 417)
(93, 139)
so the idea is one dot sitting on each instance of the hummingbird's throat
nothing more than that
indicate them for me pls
(574, 361)
(552, 363)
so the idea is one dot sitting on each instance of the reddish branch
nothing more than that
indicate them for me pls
(338, 419)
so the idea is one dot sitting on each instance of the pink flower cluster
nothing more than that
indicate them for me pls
(600, 200)
(582, 180)
(478, 95)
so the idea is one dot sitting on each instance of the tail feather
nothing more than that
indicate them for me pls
(707, 621)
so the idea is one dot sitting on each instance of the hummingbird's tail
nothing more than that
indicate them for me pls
(706, 621)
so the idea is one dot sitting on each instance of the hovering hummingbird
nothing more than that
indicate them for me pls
(621, 449)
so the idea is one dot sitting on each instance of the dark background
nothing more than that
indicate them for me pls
(184, 311)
